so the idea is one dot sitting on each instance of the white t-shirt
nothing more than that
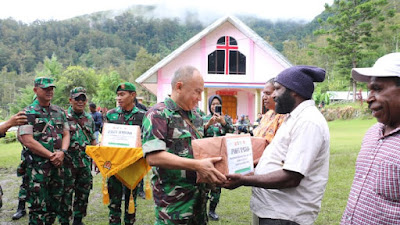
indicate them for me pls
(301, 145)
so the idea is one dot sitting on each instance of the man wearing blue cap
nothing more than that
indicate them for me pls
(290, 178)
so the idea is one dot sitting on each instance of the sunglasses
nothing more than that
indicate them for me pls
(80, 98)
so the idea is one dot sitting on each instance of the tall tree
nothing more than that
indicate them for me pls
(105, 96)
(351, 33)
(74, 76)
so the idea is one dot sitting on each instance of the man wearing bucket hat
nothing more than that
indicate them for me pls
(46, 136)
(77, 171)
(126, 113)
(374, 197)
(290, 178)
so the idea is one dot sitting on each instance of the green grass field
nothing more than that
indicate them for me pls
(346, 139)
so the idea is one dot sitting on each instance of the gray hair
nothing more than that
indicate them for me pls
(182, 74)
(271, 81)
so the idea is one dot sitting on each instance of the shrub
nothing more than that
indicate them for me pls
(9, 138)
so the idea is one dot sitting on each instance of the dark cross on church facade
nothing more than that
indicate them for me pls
(227, 47)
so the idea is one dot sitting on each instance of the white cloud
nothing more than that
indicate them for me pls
(29, 10)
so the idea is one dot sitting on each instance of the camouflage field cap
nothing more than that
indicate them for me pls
(126, 86)
(78, 91)
(44, 82)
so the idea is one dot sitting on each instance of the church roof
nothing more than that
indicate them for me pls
(234, 21)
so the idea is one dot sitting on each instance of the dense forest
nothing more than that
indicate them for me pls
(101, 49)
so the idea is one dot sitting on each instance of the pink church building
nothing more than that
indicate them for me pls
(235, 63)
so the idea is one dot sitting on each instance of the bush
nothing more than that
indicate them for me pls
(9, 138)
(346, 112)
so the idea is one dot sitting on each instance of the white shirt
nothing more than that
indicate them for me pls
(301, 145)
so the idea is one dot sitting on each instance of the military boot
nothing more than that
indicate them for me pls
(20, 211)
(212, 214)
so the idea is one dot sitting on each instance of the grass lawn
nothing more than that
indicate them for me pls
(346, 139)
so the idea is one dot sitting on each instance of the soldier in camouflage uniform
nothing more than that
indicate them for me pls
(15, 120)
(77, 171)
(216, 125)
(168, 129)
(46, 136)
(126, 113)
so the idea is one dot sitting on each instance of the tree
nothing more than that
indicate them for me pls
(105, 96)
(143, 62)
(351, 29)
(74, 76)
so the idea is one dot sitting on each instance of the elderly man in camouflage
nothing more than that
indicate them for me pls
(126, 113)
(46, 136)
(77, 172)
(168, 129)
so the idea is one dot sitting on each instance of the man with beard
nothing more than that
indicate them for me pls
(374, 196)
(290, 178)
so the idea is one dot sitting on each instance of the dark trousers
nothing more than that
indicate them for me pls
(267, 221)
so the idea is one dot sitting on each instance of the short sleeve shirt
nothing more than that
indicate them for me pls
(269, 125)
(375, 193)
(120, 116)
(46, 124)
(164, 129)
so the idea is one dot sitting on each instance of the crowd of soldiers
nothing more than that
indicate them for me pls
(56, 171)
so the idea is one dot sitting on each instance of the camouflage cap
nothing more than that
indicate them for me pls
(126, 86)
(78, 91)
(44, 82)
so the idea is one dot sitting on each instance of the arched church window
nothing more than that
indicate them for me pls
(227, 59)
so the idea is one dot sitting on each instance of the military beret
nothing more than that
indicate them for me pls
(126, 86)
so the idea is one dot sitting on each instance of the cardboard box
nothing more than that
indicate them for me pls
(218, 146)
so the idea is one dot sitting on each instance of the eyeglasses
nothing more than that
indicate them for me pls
(80, 98)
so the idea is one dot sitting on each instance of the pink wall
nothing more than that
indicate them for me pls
(260, 67)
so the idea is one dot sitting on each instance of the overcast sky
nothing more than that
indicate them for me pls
(31, 10)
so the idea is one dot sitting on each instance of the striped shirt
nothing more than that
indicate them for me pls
(375, 194)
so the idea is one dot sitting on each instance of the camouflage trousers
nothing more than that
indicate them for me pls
(115, 190)
(189, 207)
(215, 194)
(23, 189)
(21, 172)
(45, 192)
(77, 185)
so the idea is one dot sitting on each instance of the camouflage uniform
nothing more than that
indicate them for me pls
(77, 170)
(177, 196)
(46, 182)
(26, 159)
(115, 187)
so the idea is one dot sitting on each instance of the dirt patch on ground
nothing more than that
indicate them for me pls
(10, 184)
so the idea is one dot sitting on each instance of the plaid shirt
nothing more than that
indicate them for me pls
(375, 193)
